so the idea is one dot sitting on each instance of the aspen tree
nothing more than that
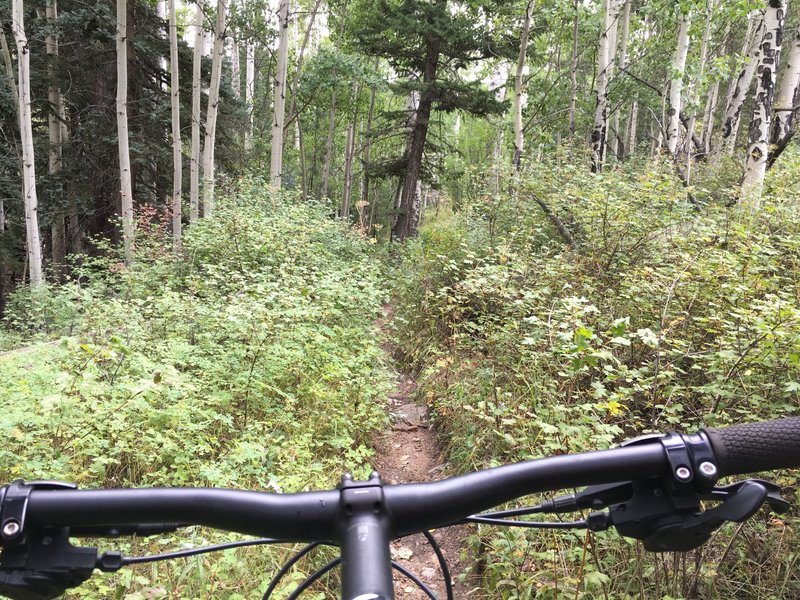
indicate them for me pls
(695, 87)
(787, 101)
(573, 100)
(766, 75)
(676, 84)
(349, 156)
(249, 90)
(26, 136)
(125, 191)
(519, 140)
(194, 162)
(56, 128)
(236, 70)
(737, 93)
(279, 101)
(604, 61)
(212, 110)
(622, 63)
(326, 163)
(177, 159)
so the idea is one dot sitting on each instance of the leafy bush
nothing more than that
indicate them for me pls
(250, 361)
(660, 319)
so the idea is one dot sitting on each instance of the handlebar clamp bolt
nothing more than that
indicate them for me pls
(708, 469)
(11, 529)
(683, 474)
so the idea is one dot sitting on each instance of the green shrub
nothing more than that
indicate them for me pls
(250, 361)
(659, 319)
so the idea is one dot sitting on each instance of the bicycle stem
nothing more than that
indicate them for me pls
(363, 536)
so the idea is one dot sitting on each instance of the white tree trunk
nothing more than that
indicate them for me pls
(162, 11)
(622, 62)
(326, 164)
(766, 75)
(213, 109)
(788, 96)
(604, 55)
(349, 156)
(694, 88)
(197, 90)
(676, 84)
(519, 139)
(573, 100)
(708, 117)
(364, 202)
(249, 92)
(236, 70)
(177, 158)
(279, 102)
(633, 122)
(125, 185)
(737, 93)
(56, 127)
(26, 137)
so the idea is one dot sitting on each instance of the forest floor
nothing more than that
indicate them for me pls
(408, 451)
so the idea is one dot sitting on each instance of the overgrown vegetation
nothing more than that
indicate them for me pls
(660, 319)
(249, 362)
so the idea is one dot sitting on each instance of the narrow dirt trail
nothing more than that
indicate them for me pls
(408, 451)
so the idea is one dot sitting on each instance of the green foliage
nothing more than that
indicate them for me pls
(250, 362)
(661, 319)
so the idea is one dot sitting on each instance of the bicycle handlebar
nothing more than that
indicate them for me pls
(755, 447)
(362, 517)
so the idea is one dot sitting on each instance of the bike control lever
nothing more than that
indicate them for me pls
(41, 563)
(674, 523)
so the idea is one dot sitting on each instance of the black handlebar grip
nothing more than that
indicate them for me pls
(755, 447)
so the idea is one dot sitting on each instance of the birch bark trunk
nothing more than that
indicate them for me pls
(676, 85)
(599, 131)
(573, 101)
(630, 129)
(326, 163)
(177, 158)
(349, 155)
(695, 87)
(519, 140)
(622, 62)
(55, 127)
(125, 191)
(279, 102)
(34, 255)
(364, 202)
(786, 102)
(708, 118)
(249, 92)
(194, 161)
(213, 109)
(766, 75)
(236, 70)
(737, 93)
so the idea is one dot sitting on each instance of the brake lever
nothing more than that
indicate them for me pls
(774, 499)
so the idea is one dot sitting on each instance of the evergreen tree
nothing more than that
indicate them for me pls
(431, 46)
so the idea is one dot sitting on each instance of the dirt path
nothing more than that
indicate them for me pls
(409, 451)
